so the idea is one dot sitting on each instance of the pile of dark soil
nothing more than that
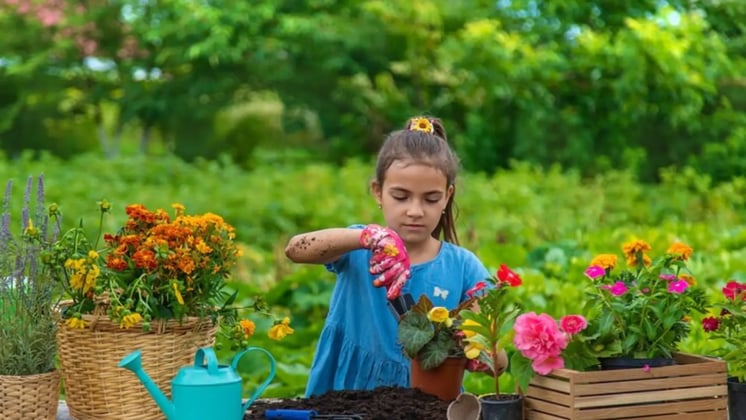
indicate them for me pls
(384, 403)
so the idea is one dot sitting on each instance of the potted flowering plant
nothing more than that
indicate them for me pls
(431, 338)
(158, 284)
(28, 377)
(643, 311)
(728, 327)
(487, 334)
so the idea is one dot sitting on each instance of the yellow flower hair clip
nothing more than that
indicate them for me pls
(421, 124)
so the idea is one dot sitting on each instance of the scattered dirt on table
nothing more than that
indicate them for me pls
(384, 403)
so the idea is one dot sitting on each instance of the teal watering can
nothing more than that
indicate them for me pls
(203, 391)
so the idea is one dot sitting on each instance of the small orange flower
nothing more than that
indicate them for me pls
(632, 261)
(633, 247)
(248, 327)
(680, 250)
(605, 261)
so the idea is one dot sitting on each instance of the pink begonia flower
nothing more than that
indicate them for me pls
(678, 286)
(477, 287)
(668, 277)
(618, 289)
(593, 272)
(538, 336)
(573, 324)
(545, 365)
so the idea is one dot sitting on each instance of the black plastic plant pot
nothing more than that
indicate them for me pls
(736, 399)
(502, 407)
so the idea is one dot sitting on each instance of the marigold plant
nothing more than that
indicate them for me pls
(156, 267)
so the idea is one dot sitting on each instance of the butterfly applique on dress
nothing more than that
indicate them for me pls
(440, 292)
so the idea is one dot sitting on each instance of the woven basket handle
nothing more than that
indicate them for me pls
(212, 360)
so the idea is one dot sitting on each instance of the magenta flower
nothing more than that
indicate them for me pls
(573, 324)
(678, 286)
(646, 368)
(668, 277)
(593, 272)
(545, 365)
(538, 336)
(618, 289)
(710, 323)
(477, 287)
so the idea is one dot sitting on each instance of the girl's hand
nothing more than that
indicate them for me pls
(389, 259)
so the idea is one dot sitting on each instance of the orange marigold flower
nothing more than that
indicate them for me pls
(632, 261)
(248, 327)
(680, 250)
(605, 261)
(691, 281)
(633, 247)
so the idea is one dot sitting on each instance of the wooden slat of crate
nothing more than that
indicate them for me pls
(698, 407)
(695, 385)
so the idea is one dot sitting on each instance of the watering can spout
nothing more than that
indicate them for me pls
(133, 362)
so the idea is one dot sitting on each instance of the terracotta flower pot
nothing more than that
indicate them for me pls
(443, 381)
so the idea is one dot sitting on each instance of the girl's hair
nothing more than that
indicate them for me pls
(424, 140)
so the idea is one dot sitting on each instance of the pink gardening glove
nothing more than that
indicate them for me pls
(389, 259)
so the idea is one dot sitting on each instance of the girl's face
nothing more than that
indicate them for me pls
(412, 197)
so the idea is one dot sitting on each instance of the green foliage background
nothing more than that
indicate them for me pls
(546, 224)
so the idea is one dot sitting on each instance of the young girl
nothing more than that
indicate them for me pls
(414, 187)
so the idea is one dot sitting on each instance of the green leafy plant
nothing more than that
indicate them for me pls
(430, 333)
(27, 289)
(729, 328)
(645, 309)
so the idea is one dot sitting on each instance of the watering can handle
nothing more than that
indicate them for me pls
(212, 360)
(264, 384)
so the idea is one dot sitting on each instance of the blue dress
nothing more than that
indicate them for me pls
(358, 347)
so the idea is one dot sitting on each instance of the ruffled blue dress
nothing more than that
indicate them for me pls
(358, 347)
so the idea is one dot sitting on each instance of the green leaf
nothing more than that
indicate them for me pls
(435, 352)
(415, 330)
(521, 370)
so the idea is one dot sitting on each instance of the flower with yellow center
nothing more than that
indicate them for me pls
(280, 330)
(605, 261)
(421, 124)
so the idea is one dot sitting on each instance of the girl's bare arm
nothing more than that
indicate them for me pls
(322, 246)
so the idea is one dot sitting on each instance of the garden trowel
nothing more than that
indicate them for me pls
(401, 305)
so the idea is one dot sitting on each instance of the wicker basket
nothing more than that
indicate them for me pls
(29, 396)
(96, 389)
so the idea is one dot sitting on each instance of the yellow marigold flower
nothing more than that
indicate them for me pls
(681, 250)
(129, 321)
(248, 327)
(605, 261)
(632, 261)
(76, 323)
(689, 279)
(468, 322)
(631, 248)
(178, 208)
(438, 314)
(177, 293)
(92, 254)
(472, 350)
(281, 330)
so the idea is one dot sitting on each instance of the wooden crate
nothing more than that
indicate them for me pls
(694, 388)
